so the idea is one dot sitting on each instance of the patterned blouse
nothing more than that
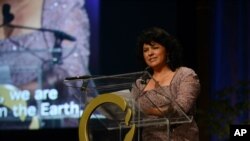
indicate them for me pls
(179, 96)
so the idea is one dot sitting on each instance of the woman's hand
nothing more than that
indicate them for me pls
(157, 111)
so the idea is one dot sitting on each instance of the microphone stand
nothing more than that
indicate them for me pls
(59, 37)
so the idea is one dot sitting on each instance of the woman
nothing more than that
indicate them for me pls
(27, 55)
(171, 89)
(29, 50)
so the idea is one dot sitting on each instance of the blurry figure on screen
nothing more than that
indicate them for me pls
(32, 60)
(170, 82)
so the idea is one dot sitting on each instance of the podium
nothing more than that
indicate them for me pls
(111, 97)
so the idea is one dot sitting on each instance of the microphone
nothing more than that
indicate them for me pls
(145, 76)
(60, 34)
(57, 49)
(7, 16)
(78, 77)
(63, 35)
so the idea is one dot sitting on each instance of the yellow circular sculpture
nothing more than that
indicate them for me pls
(96, 102)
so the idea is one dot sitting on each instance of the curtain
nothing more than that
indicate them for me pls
(230, 60)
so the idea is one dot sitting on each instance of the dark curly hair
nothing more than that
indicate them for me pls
(160, 36)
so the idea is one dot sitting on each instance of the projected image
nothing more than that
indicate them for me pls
(41, 43)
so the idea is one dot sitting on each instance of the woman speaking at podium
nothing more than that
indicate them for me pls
(171, 90)
(40, 59)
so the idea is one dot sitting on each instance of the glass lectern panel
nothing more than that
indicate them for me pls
(110, 116)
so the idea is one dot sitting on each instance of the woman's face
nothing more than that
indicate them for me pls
(154, 55)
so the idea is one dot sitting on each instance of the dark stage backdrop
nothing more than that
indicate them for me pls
(121, 21)
(230, 66)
